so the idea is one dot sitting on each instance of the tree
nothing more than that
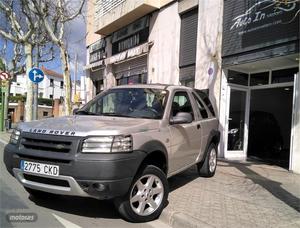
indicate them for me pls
(12, 67)
(19, 27)
(55, 15)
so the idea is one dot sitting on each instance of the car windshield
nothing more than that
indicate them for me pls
(128, 102)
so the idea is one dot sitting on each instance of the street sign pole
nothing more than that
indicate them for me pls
(36, 75)
(35, 101)
(2, 110)
(36, 89)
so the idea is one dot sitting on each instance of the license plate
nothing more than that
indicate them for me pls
(40, 168)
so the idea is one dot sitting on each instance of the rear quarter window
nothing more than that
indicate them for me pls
(204, 97)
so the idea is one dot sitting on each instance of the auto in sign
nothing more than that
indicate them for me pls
(36, 75)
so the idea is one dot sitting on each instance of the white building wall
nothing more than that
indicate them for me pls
(163, 58)
(209, 47)
(19, 87)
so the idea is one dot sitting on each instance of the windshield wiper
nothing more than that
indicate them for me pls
(85, 112)
(116, 115)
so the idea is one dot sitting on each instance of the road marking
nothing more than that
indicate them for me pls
(65, 222)
(2, 141)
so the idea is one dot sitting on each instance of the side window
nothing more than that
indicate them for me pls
(181, 103)
(201, 107)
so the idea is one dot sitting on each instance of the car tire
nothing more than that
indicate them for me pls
(146, 197)
(39, 194)
(207, 168)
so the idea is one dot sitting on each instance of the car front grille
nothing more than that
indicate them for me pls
(41, 144)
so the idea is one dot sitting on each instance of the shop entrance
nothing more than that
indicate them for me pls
(259, 115)
(270, 124)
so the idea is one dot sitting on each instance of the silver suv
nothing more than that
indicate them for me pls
(122, 145)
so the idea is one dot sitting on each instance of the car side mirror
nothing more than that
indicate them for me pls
(181, 118)
(75, 110)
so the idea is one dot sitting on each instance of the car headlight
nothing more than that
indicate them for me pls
(14, 137)
(107, 144)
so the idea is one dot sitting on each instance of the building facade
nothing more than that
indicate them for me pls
(245, 55)
(52, 87)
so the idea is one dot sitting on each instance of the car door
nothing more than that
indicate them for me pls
(185, 138)
(207, 122)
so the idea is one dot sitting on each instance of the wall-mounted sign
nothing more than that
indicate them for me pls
(253, 24)
(97, 51)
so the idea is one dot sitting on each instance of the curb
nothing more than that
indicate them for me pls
(177, 219)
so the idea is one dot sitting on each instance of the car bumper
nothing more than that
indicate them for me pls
(102, 176)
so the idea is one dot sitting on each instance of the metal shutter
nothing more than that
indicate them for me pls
(187, 73)
(97, 75)
(131, 67)
(188, 38)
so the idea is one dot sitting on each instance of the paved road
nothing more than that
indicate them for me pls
(58, 212)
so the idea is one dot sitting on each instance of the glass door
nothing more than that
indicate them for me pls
(237, 120)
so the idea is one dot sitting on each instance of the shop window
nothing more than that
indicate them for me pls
(134, 79)
(239, 78)
(122, 81)
(286, 75)
(259, 79)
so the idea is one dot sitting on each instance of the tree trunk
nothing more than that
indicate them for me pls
(29, 84)
(67, 79)
(6, 101)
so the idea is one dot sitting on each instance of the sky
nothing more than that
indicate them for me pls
(75, 32)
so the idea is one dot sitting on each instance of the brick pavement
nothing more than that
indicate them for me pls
(245, 194)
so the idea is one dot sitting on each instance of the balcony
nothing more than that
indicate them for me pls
(111, 15)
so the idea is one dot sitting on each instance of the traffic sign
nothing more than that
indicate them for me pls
(4, 76)
(36, 75)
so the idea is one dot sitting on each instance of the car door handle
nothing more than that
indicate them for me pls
(198, 126)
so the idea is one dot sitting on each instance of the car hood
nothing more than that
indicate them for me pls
(84, 125)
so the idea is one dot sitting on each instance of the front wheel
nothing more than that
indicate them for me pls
(207, 168)
(146, 197)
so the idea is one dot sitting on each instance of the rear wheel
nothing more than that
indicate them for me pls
(146, 197)
(207, 168)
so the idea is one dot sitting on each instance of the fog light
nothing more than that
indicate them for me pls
(99, 187)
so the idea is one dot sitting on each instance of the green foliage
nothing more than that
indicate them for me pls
(45, 101)
(15, 99)
(2, 65)
(41, 101)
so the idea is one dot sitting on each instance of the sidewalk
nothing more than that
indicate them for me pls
(248, 194)
(4, 136)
